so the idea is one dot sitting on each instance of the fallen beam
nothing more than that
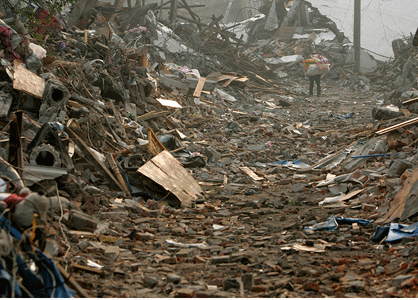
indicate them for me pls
(400, 125)
(409, 101)
(113, 182)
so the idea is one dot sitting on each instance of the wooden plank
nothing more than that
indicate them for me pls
(400, 125)
(350, 195)
(199, 87)
(250, 173)
(120, 5)
(88, 269)
(398, 204)
(223, 77)
(409, 101)
(405, 112)
(15, 142)
(243, 79)
(228, 82)
(144, 58)
(173, 11)
(114, 183)
(192, 14)
(154, 144)
(168, 103)
(27, 82)
(153, 114)
(67, 277)
(116, 171)
(165, 170)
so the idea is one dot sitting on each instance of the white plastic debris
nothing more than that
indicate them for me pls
(177, 244)
(39, 51)
(93, 264)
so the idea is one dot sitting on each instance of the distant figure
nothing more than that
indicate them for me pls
(415, 42)
(315, 67)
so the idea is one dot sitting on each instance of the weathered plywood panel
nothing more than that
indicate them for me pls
(398, 204)
(26, 81)
(250, 173)
(165, 170)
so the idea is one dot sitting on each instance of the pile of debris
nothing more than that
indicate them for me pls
(150, 155)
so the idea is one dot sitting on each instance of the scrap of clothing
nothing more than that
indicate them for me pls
(6, 35)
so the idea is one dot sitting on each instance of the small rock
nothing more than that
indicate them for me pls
(174, 278)
(112, 252)
(150, 281)
(260, 288)
(186, 293)
(311, 286)
(411, 282)
(247, 280)
(400, 278)
(398, 167)
(230, 284)
(221, 259)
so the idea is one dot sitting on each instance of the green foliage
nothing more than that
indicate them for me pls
(54, 7)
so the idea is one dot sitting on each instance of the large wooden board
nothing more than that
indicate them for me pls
(250, 173)
(199, 87)
(26, 81)
(154, 144)
(165, 170)
(398, 204)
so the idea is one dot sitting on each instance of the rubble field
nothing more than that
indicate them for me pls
(145, 153)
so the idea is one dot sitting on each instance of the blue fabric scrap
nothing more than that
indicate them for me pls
(332, 224)
(395, 232)
(49, 284)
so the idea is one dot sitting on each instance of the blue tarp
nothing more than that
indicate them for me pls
(343, 117)
(49, 284)
(297, 164)
(332, 224)
(395, 232)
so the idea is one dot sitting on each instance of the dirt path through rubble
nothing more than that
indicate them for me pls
(254, 233)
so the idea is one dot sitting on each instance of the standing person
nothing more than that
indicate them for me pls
(317, 80)
(315, 67)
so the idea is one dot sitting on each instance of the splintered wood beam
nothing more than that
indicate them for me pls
(199, 87)
(396, 126)
(91, 157)
(173, 11)
(192, 14)
(120, 5)
(116, 171)
(409, 101)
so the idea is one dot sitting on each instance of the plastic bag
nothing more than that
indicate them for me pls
(323, 68)
(318, 69)
(37, 50)
(313, 70)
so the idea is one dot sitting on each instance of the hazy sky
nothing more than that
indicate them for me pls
(382, 20)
